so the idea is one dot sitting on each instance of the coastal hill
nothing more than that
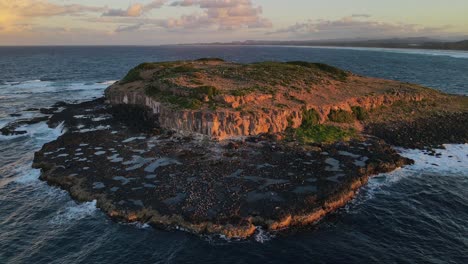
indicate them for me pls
(224, 100)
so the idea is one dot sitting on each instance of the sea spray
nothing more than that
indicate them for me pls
(74, 212)
(452, 160)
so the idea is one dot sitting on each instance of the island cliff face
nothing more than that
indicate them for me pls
(216, 99)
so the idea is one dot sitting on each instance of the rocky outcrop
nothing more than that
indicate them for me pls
(229, 123)
(224, 100)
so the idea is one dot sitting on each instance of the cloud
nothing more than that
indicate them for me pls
(42, 8)
(221, 14)
(135, 10)
(356, 26)
(361, 15)
(129, 28)
(215, 15)
(155, 4)
(14, 14)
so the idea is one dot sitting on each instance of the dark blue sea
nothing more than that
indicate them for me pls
(418, 214)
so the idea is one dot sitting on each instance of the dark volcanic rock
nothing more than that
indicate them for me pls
(60, 104)
(48, 111)
(10, 128)
(431, 131)
(203, 186)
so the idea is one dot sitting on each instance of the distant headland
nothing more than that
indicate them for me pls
(394, 43)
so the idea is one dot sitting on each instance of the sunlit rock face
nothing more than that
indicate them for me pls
(225, 100)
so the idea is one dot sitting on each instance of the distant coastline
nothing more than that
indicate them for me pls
(397, 43)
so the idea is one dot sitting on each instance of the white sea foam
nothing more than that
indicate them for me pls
(128, 140)
(451, 160)
(43, 134)
(101, 118)
(74, 212)
(107, 127)
(109, 82)
(40, 132)
(262, 236)
(140, 225)
(37, 87)
(28, 176)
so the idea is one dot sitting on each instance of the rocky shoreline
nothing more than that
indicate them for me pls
(141, 173)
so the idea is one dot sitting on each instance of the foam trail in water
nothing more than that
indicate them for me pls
(84, 91)
(45, 134)
(262, 236)
(28, 175)
(109, 82)
(41, 134)
(452, 159)
(140, 225)
(74, 212)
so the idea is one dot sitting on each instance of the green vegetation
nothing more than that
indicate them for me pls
(341, 116)
(148, 66)
(270, 74)
(252, 89)
(164, 70)
(179, 101)
(360, 113)
(333, 71)
(202, 91)
(310, 118)
(338, 73)
(189, 98)
(182, 69)
(132, 76)
(323, 134)
(311, 131)
(301, 63)
(175, 70)
(210, 59)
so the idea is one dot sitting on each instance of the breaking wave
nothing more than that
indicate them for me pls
(74, 212)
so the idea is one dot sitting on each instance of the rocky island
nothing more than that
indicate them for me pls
(214, 147)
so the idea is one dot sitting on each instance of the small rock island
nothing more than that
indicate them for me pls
(214, 147)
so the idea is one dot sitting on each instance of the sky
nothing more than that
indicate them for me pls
(154, 22)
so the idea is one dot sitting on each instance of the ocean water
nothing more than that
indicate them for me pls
(418, 214)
